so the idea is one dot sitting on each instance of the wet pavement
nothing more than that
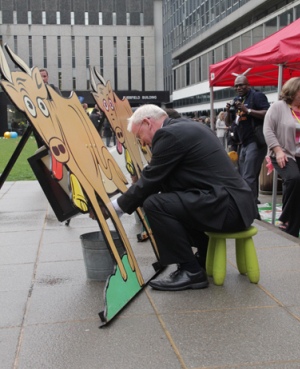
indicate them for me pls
(49, 309)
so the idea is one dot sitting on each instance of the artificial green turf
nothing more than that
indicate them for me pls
(21, 170)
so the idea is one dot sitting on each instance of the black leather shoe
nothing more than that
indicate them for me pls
(181, 280)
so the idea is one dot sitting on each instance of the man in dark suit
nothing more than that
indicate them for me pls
(190, 186)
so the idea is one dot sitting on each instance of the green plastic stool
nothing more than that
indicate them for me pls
(246, 257)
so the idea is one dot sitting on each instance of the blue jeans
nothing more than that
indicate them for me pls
(250, 161)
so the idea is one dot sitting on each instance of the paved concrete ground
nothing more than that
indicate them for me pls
(49, 310)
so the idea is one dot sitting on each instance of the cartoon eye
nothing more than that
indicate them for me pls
(30, 107)
(111, 104)
(42, 107)
(105, 105)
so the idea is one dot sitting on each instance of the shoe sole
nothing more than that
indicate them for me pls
(195, 286)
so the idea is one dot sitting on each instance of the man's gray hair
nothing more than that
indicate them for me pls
(145, 111)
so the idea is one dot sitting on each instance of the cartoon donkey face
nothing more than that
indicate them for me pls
(30, 95)
(117, 112)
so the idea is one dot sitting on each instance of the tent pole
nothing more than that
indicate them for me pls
(275, 175)
(212, 118)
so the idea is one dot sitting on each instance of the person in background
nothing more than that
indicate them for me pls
(248, 110)
(221, 128)
(107, 132)
(189, 187)
(85, 107)
(95, 117)
(282, 134)
(207, 122)
(45, 76)
(172, 113)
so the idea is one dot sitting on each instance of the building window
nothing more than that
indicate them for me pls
(44, 18)
(174, 80)
(143, 62)
(29, 17)
(15, 20)
(0, 16)
(86, 18)
(87, 51)
(60, 80)
(187, 74)
(57, 17)
(16, 44)
(74, 83)
(73, 52)
(115, 62)
(88, 84)
(141, 19)
(100, 19)
(114, 19)
(45, 51)
(285, 18)
(58, 51)
(101, 56)
(72, 18)
(129, 62)
(30, 51)
(127, 19)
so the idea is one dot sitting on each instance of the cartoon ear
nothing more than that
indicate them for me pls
(14, 94)
(36, 76)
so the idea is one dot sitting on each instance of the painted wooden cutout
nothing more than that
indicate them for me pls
(74, 142)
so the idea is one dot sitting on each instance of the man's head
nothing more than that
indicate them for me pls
(241, 85)
(44, 75)
(145, 121)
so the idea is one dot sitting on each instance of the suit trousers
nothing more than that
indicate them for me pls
(173, 232)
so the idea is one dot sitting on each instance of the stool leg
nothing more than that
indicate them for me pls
(210, 256)
(240, 255)
(251, 261)
(219, 268)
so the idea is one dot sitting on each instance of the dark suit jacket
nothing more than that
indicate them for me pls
(188, 159)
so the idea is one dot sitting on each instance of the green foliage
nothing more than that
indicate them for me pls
(21, 170)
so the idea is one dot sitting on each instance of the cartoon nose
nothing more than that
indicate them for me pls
(120, 135)
(57, 150)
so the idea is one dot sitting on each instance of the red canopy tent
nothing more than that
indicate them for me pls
(269, 62)
(263, 60)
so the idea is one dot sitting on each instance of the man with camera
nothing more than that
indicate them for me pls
(247, 111)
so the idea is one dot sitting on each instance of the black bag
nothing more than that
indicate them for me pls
(259, 135)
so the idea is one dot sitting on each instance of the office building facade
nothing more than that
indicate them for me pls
(121, 38)
(198, 33)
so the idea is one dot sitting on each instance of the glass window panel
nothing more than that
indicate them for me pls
(270, 27)
(236, 47)
(286, 18)
(257, 34)
(246, 40)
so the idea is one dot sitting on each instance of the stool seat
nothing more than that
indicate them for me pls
(246, 257)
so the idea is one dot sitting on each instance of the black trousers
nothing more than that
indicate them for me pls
(173, 232)
(290, 175)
